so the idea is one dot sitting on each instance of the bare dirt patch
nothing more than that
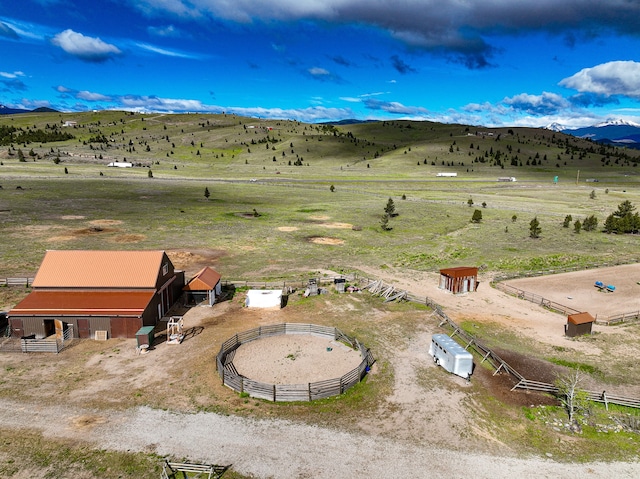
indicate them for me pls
(326, 240)
(288, 228)
(346, 226)
(72, 217)
(61, 238)
(95, 230)
(319, 217)
(295, 359)
(130, 238)
(193, 260)
(105, 222)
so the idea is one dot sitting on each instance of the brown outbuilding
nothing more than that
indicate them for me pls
(578, 324)
(86, 294)
(462, 279)
(204, 286)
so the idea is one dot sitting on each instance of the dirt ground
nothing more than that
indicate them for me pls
(577, 290)
(410, 412)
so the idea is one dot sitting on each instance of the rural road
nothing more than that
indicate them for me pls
(281, 449)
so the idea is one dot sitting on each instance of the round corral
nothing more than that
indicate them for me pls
(292, 362)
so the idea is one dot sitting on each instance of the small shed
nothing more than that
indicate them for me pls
(264, 298)
(578, 324)
(462, 279)
(204, 286)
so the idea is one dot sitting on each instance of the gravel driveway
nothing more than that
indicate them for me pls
(284, 450)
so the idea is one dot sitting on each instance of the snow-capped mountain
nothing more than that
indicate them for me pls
(616, 122)
(613, 131)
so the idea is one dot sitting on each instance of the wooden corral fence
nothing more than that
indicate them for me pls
(489, 356)
(618, 318)
(562, 309)
(287, 284)
(170, 470)
(32, 345)
(537, 299)
(601, 397)
(26, 282)
(290, 392)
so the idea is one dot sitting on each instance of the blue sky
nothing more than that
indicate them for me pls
(491, 62)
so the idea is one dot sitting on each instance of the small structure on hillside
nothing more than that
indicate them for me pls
(462, 279)
(578, 324)
(264, 298)
(204, 286)
(312, 288)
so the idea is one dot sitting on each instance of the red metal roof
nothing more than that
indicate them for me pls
(581, 318)
(83, 303)
(460, 271)
(204, 280)
(99, 269)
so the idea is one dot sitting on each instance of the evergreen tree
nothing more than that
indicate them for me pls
(577, 226)
(534, 228)
(567, 220)
(477, 216)
(390, 209)
(206, 193)
(384, 223)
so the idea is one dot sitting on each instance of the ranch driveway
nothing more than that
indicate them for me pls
(284, 450)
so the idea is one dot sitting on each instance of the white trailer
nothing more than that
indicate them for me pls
(447, 353)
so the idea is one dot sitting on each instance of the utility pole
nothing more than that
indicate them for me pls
(577, 177)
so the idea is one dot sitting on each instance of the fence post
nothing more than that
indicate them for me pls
(309, 386)
(274, 393)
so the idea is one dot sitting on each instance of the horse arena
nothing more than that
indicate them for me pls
(292, 362)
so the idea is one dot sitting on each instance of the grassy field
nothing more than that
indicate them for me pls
(265, 214)
(66, 185)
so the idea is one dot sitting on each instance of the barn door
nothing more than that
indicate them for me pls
(84, 331)
(59, 328)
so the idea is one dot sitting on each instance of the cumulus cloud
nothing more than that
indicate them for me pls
(84, 95)
(460, 29)
(543, 104)
(85, 48)
(11, 82)
(322, 74)
(395, 108)
(612, 78)
(8, 32)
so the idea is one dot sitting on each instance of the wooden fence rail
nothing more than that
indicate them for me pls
(290, 392)
(488, 355)
(562, 309)
(16, 282)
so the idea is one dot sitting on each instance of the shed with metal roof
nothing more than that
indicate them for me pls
(578, 324)
(461, 279)
(204, 286)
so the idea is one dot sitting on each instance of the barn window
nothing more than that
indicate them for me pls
(165, 268)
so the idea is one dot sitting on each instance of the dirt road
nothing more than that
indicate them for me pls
(284, 450)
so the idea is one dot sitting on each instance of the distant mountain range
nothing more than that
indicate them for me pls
(13, 111)
(612, 132)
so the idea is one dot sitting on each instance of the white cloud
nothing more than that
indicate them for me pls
(317, 71)
(11, 75)
(91, 96)
(612, 78)
(85, 48)
(164, 51)
(543, 104)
